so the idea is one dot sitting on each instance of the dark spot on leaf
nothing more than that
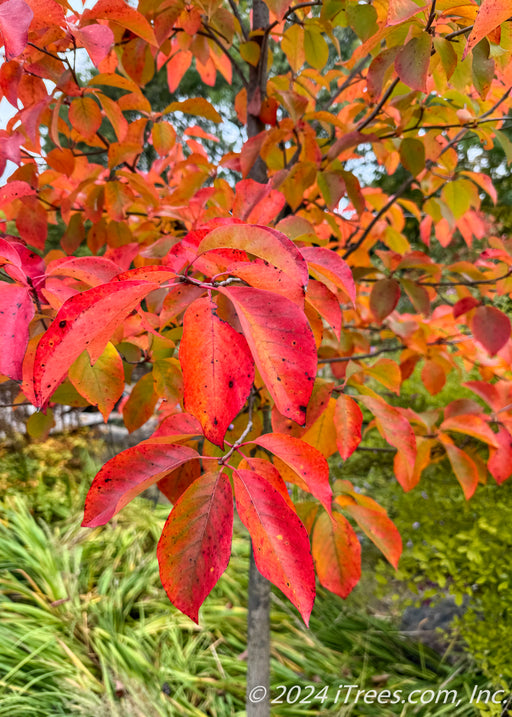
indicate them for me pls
(62, 324)
(231, 384)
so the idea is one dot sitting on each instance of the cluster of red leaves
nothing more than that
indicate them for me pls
(252, 340)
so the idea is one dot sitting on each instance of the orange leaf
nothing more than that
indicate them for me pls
(120, 12)
(463, 466)
(471, 425)
(379, 528)
(433, 376)
(393, 427)
(176, 68)
(337, 554)
(195, 545)
(197, 106)
(85, 116)
(491, 14)
(279, 539)
(218, 370)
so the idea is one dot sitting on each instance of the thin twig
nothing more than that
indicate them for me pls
(248, 429)
(356, 357)
(353, 73)
(209, 32)
(410, 180)
(236, 13)
(461, 31)
(365, 122)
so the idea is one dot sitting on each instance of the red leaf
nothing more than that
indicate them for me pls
(280, 541)
(10, 76)
(32, 222)
(337, 554)
(218, 370)
(92, 270)
(16, 313)
(491, 327)
(177, 300)
(304, 460)
(491, 14)
(463, 466)
(282, 344)
(128, 474)
(267, 244)
(178, 424)
(15, 19)
(15, 189)
(487, 392)
(262, 275)
(500, 460)
(464, 305)
(85, 321)
(413, 61)
(384, 298)
(177, 482)
(326, 264)
(269, 472)
(393, 427)
(195, 545)
(257, 203)
(97, 40)
(348, 420)
(327, 305)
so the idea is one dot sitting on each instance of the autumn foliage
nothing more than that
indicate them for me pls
(255, 317)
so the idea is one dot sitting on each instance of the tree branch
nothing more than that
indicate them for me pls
(236, 13)
(209, 32)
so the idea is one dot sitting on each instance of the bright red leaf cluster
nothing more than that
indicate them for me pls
(253, 316)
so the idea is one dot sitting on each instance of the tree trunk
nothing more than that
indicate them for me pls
(258, 620)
